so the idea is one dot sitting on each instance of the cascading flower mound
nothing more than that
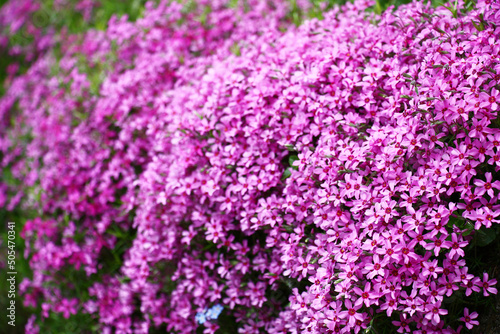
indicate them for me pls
(309, 179)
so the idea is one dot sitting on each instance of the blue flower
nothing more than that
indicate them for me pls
(215, 311)
(210, 314)
(200, 317)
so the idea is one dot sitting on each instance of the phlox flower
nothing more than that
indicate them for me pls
(487, 285)
(402, 324)
(457, 245)
(367, 295)
(490, 100)
(470, 283)
(377, 267)
(351, 313)
(486, 186)
(469, 318)
(299, 302)
(208, 187)
(434, 312)
(304, 266)
(447, 287)
(480, 129)
(412, 302)
(436, 244)
(333, 319)
(390, 305)
(431, 269)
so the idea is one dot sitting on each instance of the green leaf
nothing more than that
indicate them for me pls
(456, 221)
(469, 228)
(344, 171)
(439, 30)
(378, 7)
(236, 49)
(286, 174)
(292, 158)
(485, 236)
(479, 27)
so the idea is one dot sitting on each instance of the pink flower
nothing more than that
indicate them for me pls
(431, 269)
(351, 313)
(486, 187)
(469, 318)
(487, 285)
(304, 266)
(366, 296)
(377, 267)
(457, 245)
(403, 324)
(490, 100)
(434, 312)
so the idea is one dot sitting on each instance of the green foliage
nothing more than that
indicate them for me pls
(5, 61)
(78, 323)
(485, 236)
(291, 160)
(236, 49)
(71, 19)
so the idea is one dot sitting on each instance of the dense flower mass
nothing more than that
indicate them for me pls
(289, 179)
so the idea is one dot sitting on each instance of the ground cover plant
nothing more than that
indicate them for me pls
(255, 167)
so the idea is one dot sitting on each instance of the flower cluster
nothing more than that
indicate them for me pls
(305, 179)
